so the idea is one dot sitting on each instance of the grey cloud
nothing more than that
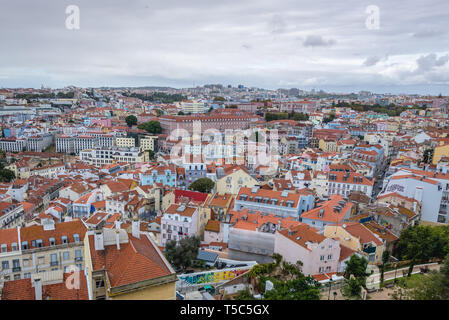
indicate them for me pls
(317, 41)
(430, 61)
(371, 61)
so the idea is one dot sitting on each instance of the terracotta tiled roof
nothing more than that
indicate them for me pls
(303, 233)
(136, 261)
(67, 229)
(23, 290)
(213, 225)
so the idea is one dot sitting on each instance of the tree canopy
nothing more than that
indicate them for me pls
(297, 116)
(421, 243)
(153, 127)
(131, 120)
(181, 255)
(204, 185)
(6, 175)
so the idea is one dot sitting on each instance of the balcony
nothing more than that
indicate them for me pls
(78, 259)
(16, 269)
(53, 263)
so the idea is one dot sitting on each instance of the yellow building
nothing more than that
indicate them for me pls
(328, 145)
(125, 142)
(357, 237)
(440, 151)
(235, 178)
(127, 266)
(148, 143)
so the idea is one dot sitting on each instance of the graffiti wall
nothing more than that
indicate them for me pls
(213, 276)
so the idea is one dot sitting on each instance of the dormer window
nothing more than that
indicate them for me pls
(14, 246)
(52, 242)
(24, 245)
(4, 248)
(64, 239)
(76, 237)
(39, 243)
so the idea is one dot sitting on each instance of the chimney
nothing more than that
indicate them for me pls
(38, 289)
(136, 228)
(99, 244)
(117, 238)
(118, 223)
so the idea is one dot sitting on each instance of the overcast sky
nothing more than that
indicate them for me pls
(264, 43)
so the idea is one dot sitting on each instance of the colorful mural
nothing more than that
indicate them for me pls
(213, 276)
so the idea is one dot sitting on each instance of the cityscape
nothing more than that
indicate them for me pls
(220, 177)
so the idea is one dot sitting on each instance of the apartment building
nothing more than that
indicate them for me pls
(317, 253)
(282, 203)
(359, 238)
(332, 211)
(102, 156)
(125, 142)
(41, 248)
(179, 221)
(127, 266)
(159, 174)
(192, 106)
(11, 215)
(13, 144)
(39, 142)
(344, 182)
(148, 143)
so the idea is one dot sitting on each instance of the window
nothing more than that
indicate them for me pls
(328, 268)
(64, 239)
(321, 258)
(52, 242)
(5, 265)
(4, 248)
(66, 255)
(40, 260)
(17, 276)
(53, 259)
(99, 283)
(14, 246)
(79, 266)
(321, 270)
(39, 243)
(15, 265)
(27, 275)
(24, 245)
(76, 237)
(78, 255)
(329, 257)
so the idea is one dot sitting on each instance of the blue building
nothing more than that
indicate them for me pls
(161, 174)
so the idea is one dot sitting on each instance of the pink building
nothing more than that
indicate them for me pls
(303, 243)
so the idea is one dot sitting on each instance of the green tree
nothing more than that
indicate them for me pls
(151, 154)
(204, 185)
(352, 288)
(427, 155)
(357, 266)
(131, 120)
(6, 175)
(153, 127)
(244, 295)
(219, 99)
(385, 257)
(182, 254)
(301, 288)
(180, 113)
